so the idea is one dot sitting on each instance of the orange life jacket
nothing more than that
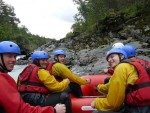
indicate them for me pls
(28, 80)
(139, 93)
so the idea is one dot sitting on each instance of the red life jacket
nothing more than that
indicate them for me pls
(139, 94)
(49, 68)
(28, 80)
(110, 71)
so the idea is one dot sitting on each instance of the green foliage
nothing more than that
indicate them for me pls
(133, 10)
(9, 30)
(90, 12)
(70, 34)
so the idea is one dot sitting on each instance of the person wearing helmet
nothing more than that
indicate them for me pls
(61, 71)
(38, 87)
(103, 88)
(110, 70)
(124, 75)
(130, 50)
(59, 56)
(8, 52)
(131, 54)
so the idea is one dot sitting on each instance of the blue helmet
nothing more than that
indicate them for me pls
(9, 47)
(116, 50)
(39, 55)
(59, 52)
(130, 50)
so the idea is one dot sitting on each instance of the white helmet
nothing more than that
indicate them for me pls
(118, 45)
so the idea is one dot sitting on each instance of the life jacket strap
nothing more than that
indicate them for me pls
(137, 86)
(32, 83)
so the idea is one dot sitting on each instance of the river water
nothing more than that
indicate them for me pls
(16, 71)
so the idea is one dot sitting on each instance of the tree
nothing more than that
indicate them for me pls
(9, 30)
(90, 12)
(7, 14)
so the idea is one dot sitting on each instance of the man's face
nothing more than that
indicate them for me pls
(61, 59)
(113, 60)
(9, 60)
(43, 63)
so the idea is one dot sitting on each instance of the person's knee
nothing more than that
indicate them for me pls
(64, 96)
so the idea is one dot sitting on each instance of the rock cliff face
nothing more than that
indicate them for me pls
(92, 61)
(86, 52)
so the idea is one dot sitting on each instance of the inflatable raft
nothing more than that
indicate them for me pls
(88, 90)
(83, 104)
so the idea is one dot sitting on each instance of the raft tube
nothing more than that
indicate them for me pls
(83, 104)
(89, 89)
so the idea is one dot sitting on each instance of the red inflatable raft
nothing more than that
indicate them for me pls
(88, 90)
(83, 104)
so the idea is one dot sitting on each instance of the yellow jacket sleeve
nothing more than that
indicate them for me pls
(123, 75)
(50, 82)
(61, 70)
(103, 88)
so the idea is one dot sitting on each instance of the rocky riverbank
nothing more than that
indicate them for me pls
(86, 52)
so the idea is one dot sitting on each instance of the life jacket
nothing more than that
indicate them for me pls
(139, 93)
(110, 71)
(28, 81)
(49, 68)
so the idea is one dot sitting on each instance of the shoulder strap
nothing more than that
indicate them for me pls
(137, 86)
(49, 67)
(31, 69)
(142, 62)
(126, 61)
